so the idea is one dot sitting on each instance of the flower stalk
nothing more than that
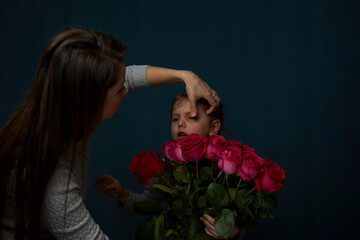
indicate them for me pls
(248, 193)
(166, 181)
(197, 169)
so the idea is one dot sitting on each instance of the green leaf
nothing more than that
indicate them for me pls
(205, 173)
(217, 196)
(148, 207)
(181, 173)
(159, 227)
(265, 200)
(146, 229)
(224, 222)
(211, 211)
(247, 209)
(166, 189)
(242, 200)
(231, 192)
(265, 213)
(194, 227)
(176, 208)
(197, 183)
(193, 195)
(201, 203)
(171, 232)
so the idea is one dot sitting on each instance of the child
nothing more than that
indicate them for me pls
(182, 124)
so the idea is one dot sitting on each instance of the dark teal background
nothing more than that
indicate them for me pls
(288, 72)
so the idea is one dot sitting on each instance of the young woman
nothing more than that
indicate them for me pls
(44, 162)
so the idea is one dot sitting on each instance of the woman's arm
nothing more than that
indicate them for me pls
(195, 87)
(70, 221)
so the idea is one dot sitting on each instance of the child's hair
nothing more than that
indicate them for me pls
(218, 114)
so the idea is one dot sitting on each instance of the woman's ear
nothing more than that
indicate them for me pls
(215, 126)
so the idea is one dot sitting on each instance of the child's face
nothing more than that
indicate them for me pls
(182, 123)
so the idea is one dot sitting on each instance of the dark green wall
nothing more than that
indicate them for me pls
(287, 71)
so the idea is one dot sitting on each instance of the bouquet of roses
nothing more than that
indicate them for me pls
(223, 178)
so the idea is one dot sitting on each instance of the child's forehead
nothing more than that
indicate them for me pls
(183, 105)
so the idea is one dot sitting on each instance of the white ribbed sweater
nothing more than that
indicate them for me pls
(78, 222)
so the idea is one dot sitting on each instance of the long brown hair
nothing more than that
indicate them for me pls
(64, 106)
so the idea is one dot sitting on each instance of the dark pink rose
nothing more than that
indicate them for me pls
(145, 165)
(214, 143)
(172, 151)
(193, 146)
(229, 159)
(250, 166)
(168, 149)
(233, 143)
(272, 178)
(178, 154)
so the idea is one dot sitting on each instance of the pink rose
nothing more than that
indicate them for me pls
(178, 153)
(214, 143)
(193, 146)
(272, 178)
(250, 166)
(229, 159)
(233, 143)
(172, 151)
(168, 149)
(145, 165)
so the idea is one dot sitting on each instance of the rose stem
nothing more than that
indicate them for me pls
(253, 189)
(238, 185)
(212, 169)
(197, 169)
(223, 181)
(166, 181)
(183, 214)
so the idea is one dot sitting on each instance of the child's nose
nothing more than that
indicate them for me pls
(181, 123)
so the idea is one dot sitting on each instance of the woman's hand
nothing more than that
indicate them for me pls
(111, 187)
(210, 228)
(195, 87)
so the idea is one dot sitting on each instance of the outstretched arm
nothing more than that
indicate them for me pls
(140, 76)
(112, 187)
(195, 87)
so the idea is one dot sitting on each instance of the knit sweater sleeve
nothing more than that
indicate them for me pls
(135, 77)
(71, 220)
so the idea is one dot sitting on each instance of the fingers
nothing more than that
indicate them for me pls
(196, 89)
(209, 226)
(103, 182)
(193, 107)
(210, 96)
(214, 101)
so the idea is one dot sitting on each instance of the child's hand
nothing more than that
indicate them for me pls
(112, 187)
(210, 228)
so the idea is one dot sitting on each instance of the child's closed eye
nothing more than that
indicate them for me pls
(193, 118)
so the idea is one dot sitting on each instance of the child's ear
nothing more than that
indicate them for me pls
(215, 126)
